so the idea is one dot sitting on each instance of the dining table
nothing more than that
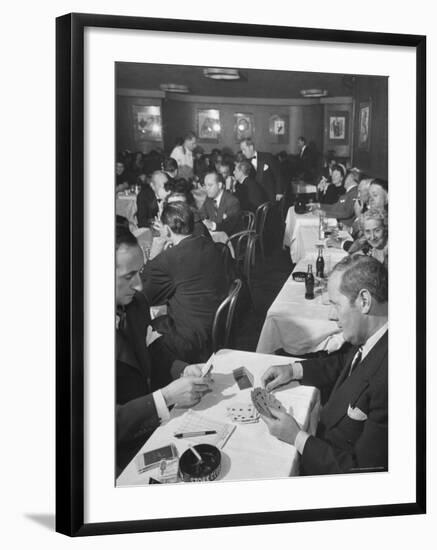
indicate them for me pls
(298, 325)
(126, 206)
(250, 451)
(302, 232)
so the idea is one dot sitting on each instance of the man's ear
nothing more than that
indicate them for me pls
(364, 301)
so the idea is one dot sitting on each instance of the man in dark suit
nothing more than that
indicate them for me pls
(307, 161)
(352, 434)
(140, 409)
(248, 192)
(191, 279)
(266, 170)
(344, 209)
(221, 210)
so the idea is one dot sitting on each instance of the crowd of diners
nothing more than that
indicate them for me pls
(186, 196)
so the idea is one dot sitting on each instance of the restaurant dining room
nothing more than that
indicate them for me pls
(251, 273)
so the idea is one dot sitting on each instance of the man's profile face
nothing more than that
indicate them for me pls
(119, 168)
(247, 150)
(212, 186)
(128, 262)
(238, 174)
(348, 316)
(300, 143)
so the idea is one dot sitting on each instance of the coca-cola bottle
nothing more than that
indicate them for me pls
(309, 283)
(320, 264)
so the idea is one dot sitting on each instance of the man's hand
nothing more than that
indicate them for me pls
(279, 196)
(283, 426)
(194, 370)
(185, 392)
(209, 224)
(358, 207)
(277, 375)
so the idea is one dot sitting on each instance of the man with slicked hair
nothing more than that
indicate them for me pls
(352, 435)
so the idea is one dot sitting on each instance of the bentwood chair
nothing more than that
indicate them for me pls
(224, 317)
(247, 220)
(260, 221)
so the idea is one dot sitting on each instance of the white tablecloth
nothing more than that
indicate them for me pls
(298, 325)
(126, 206)
(251, 452)
(302, 233)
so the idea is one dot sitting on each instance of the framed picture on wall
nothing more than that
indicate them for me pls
(279, 128)
(386, 476)
(338, 127)
(147, 122)
(364, 125)
(208, 124)
(244, 126)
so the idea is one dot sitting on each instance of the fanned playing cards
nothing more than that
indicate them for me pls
(264, 401)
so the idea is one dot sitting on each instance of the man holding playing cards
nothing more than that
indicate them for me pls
(352, 435)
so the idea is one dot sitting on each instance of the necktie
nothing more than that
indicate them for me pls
(356, 360)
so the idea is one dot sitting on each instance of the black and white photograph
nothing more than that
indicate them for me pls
(251, 277)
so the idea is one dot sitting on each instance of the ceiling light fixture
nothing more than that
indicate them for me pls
(175, 88)
(222, 74)
(314, 92)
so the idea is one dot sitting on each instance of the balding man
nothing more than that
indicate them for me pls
(249, 193)
(151, 198)
(221, 210)
(352, 435)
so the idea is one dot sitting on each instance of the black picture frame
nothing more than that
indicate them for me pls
(70, 273)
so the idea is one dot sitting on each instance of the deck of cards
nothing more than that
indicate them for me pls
(243, 377)
(263, 401)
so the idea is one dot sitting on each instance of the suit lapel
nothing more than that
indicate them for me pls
(348, 389)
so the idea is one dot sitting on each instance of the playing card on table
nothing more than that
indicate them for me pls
(243, 413)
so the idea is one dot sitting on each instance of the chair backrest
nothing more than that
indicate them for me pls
(260, 217)
(224, 316)
(239, 243)
(247, 220)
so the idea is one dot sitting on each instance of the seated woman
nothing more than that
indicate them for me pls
(191, 279)
(375, 232)
(330, 191)
(372, 239)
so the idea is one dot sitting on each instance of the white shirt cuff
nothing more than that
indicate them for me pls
(161, 407)
(297, 371)
(300, 441)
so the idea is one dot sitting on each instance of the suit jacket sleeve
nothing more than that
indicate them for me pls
(343, 208)
(136, 418)
(157, 281)
(370, 450)
(229, 225)
(276, 170)
(324, 372)
(255, 194)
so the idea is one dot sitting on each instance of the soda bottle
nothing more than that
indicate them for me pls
(309, 283)
(320, 264)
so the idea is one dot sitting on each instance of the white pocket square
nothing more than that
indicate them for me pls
(356, 414)
(265, 167)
